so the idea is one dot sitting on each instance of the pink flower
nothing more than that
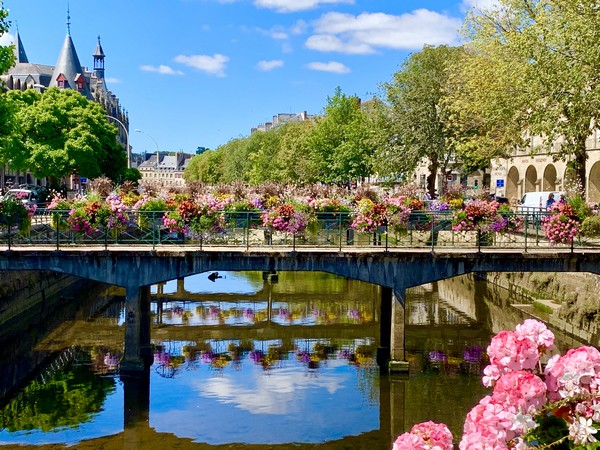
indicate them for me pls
(425, 436)
(510, 351)
(521, 389)
(537, 332)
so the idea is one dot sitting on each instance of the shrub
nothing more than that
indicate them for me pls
(591, 226)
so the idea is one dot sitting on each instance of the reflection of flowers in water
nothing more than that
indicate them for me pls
(266, 360)
(111, 361)
(285, 314)
(248, 314)
(215, 360)
(214, 312)
(473, 354)
(354, 314)
(437, 357)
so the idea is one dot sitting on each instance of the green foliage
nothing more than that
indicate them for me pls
(415, 121)
(590, 227)
(60, 133)
(532, 70)
(7, 57)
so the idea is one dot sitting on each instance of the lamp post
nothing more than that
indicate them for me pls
(137, 130)
(128, 150)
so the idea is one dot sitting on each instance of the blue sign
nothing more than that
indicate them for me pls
(499, 183)
(83, 180)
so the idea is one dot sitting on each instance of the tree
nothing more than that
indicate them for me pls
(62, 133)
(341, 142)
(555, 93)
(295, 151)
(417, 121)
(7, 56)
(205, 167)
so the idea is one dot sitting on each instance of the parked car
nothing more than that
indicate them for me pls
(27, 196)
(536, 201)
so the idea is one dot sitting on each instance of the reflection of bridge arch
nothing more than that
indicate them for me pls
(531, 179)
(512, 183)
(549, 178)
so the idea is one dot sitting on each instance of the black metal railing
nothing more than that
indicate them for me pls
(422, 229)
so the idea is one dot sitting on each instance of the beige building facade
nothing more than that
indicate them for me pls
(527, 172)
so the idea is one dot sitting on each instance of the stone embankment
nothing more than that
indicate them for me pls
(573, 297)
(21, 291)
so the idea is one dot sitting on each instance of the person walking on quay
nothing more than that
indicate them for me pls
(550, 200)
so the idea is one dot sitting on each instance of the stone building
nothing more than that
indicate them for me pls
(164, 169)
(68, 73)
(525, 172)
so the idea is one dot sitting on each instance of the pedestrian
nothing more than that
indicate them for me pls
(562, 199)
(550, 200)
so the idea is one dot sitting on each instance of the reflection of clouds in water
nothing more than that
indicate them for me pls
(231, 282)
(275, 407)
(279, 392)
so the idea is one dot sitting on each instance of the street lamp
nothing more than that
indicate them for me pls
(137, 130)
(128, 150)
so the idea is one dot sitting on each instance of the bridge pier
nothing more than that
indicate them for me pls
(138, 352)
(390, 354)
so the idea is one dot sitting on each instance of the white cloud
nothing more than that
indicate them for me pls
(331, 66)
(365, 33)
(6, 39)
(162, 69)
(266, 66)
(286, 6)
(213, 65)
(112, 80)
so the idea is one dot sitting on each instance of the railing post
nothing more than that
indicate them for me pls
(340, 230)
(432, 233)
(294, 241)
(105, 238)
(9, 235)
(386, 237)
(56, 216)
(526, 230)
(247, 230)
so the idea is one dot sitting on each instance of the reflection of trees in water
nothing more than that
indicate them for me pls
(66, 399)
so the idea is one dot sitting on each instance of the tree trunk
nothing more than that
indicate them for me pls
(579, 164)
(433, 171)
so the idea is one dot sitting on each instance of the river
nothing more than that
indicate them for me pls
(243, 362)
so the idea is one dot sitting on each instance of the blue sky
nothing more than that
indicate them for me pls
(196, 73)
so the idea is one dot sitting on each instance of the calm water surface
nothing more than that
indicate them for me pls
(244, 363)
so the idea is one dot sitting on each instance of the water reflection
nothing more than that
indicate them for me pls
(240, 360)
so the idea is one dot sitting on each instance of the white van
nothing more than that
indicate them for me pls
(536, 201)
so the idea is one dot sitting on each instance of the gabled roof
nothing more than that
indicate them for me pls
(68, 65)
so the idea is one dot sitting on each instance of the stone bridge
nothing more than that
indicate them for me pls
(394, 270)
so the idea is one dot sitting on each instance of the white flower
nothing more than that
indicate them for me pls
(582, 431)
(523, 422)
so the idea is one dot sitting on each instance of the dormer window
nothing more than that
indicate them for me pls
(80, 80)
(61, 81)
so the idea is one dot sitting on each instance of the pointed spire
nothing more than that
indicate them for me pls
(68, 73)
(68, 20)
(20, 55)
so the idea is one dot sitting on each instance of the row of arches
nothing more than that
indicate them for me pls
(549, 178)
